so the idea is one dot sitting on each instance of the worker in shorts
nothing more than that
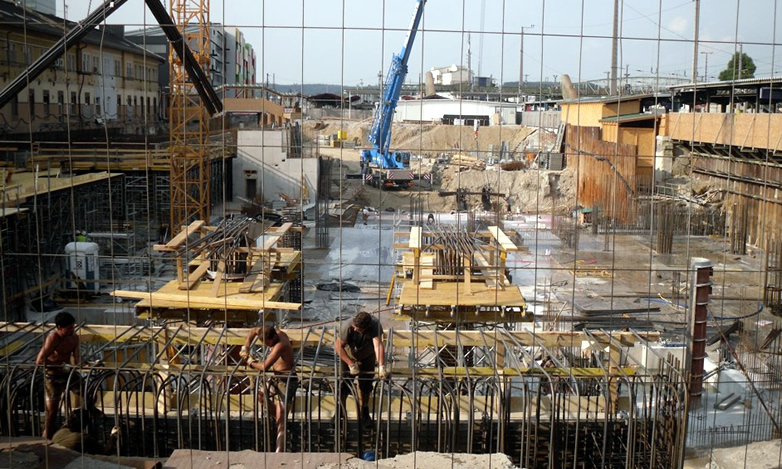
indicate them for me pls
(359, 345)
(59, 352)
(73, 435)
(281, 387)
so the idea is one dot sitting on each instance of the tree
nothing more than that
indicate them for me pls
(738, 60)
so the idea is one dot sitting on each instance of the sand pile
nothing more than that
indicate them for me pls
(762, 455)
(428, 460)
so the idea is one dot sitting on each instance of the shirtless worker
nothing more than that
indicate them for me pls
(60, 350)
(359, 344)
(282, 386)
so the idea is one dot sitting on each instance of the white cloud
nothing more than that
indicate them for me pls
(678, 25)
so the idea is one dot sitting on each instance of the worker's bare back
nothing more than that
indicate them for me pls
(284, 351)
(57, 351)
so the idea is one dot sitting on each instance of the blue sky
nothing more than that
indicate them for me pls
(349, 41)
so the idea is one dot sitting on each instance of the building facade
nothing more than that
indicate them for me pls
(104, 80)
(48, 7)
(232, 59)
(451, 75)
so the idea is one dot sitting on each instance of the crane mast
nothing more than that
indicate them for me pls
(379, 156)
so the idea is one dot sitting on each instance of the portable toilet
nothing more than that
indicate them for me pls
(81, 261)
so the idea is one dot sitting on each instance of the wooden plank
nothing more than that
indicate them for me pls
(493, 278)
(240, 302)
(454, 293)
(505, 243)
(193, 279)
(467, 275)
(174, 244)
(415, 238)
(427, 270)
(256, 280)
(273, 235)
(218, 281)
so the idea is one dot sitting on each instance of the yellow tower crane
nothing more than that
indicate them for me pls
(189, 119)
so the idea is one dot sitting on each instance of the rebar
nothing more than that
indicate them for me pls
(546, 402)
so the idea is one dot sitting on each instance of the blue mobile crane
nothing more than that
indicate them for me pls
(380, 166)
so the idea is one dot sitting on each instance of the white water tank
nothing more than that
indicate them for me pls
(81, 260)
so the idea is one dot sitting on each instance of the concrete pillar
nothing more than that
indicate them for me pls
(701, 272)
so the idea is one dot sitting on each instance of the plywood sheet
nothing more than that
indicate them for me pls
(455, 293)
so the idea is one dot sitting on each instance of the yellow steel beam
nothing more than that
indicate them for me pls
(401, 338)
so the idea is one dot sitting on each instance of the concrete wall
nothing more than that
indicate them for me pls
(434, 109)
(544, 119)
(263, 155)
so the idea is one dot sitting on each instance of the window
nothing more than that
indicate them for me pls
(46, 109)
(95, 64)
(128, 69)
(97, 105)
(139, 73)
(74, 102)
(15, 106)
(117, 68)
(60, 104)
(149, 111)
(87, 99)
(250, 188)
(12, 54)
(31, 103)
(71, 62)
(154, 103)
(28, 55)
(85, 62)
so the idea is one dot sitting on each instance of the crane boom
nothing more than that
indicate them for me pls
(380, 133)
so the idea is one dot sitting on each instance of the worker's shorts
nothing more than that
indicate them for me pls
(283, 386)
(56, 385)
(366, 376)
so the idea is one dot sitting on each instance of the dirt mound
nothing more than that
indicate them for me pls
(527, 191)
(434, 139)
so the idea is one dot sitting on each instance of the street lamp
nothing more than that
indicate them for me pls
(521, 59)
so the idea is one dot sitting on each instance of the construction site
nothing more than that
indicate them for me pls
(567, 273)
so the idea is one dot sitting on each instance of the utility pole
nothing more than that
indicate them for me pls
(741, 62)
(695, 42)
(521, 60)
(706, 65)
(614, 47)
(469, 64)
